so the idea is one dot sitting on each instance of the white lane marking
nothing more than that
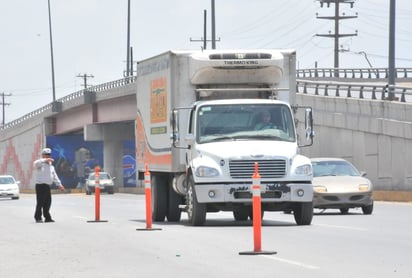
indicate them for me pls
(342, 227)
(308, 266)
(81, 217)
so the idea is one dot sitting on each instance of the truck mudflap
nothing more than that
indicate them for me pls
(241, 193)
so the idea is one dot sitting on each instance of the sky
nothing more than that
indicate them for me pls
(90, 37)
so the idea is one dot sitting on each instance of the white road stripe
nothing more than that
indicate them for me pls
(276, 258)
(342, 227)
(81, 217)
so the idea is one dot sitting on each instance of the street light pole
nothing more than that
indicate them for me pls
(51, 54)
(128, 71)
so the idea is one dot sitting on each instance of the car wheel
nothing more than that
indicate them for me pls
(196, 212)
(344, 210)
(15, 198)
(159, 198)
(367, 209)
(303, 213)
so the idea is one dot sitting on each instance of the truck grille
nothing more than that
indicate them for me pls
(240, 169)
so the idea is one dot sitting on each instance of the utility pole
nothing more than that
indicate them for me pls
(3, 104)
(336, 35)
(213, 26)
(204, 38)
(85, 76)
(391, 58)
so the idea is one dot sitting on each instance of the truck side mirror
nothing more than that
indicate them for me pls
(175, 136)
(310, 133)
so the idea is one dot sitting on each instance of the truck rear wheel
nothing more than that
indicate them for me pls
(173, 213)
(159, 197)
(303, 213)
(196, 212)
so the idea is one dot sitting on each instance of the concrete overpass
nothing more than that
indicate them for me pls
(102, 113)
(353, 120)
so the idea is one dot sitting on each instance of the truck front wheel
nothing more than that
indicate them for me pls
(196, 212)
(303, 213)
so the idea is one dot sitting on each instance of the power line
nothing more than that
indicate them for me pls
(336, 18)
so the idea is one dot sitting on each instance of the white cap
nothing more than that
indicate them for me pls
(46, 151)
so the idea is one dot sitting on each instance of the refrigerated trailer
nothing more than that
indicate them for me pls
(200, 130)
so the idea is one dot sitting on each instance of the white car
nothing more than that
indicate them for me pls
(106, 183)
(337, 184)
(9, 187)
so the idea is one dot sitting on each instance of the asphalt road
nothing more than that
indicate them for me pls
(353, 245)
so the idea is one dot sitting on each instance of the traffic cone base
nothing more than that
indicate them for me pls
(258, 253)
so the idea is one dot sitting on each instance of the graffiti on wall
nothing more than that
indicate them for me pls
(75, 158)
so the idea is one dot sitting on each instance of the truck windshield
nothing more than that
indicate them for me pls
(245, 122)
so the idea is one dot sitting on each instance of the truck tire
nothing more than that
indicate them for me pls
(262, 213)
(173, 213)
(196, 212)
(303, 213)
(241, 214)
(159, 197)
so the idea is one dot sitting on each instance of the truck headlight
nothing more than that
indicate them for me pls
(304, 170)
(204, 171)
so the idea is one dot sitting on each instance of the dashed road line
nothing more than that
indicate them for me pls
(296, 263)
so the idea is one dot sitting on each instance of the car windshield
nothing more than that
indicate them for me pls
(6, 180)
(333, 168)
(102, 176)
(245, 122)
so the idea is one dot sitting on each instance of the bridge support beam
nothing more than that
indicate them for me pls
(112, 135)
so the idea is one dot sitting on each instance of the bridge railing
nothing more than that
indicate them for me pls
(356, 90)
(344, 89)
(362, 73)
(71, 97)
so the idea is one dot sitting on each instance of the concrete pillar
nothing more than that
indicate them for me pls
(113, 135)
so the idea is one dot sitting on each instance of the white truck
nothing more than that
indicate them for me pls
(198, 130)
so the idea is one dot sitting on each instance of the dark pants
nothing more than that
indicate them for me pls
(43, 198)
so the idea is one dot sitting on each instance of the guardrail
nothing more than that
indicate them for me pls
(369, 73)
(73, 96)
(371, 91)
(350, 89)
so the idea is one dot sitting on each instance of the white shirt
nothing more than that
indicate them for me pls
(45, 172)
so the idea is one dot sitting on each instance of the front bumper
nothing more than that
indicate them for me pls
(242, 193)
(342, 200)
(9, 193)
(103, 188)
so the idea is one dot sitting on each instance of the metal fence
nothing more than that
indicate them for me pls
(70, 98)
(343, 89)
(356, 90)
(362, 73)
